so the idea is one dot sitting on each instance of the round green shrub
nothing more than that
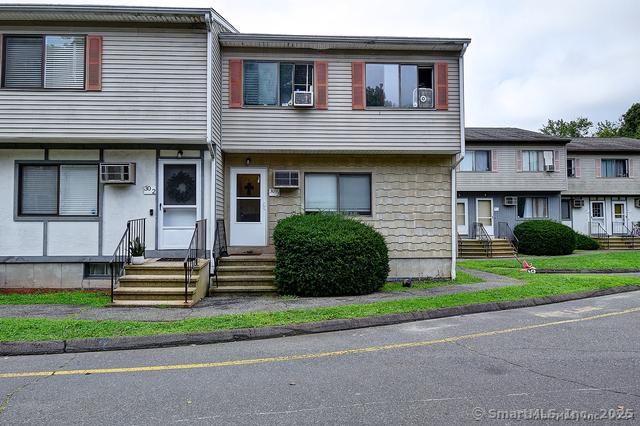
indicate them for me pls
(328, 255)
(545, 237)
(584, 242)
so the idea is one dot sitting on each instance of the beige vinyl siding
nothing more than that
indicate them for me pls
(589, 184)
(153, 87)
(507, 178)
(339, 128)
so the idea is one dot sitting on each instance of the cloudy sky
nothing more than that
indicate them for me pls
(529, 60)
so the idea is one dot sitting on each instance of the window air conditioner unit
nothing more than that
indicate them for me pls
(549, 168)
(578, 203)
(637, 203)
(510, 201)
(118, 173)
(286, 179)
(303, 99)
(423, 98)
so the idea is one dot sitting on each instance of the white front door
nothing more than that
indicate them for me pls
(597, 217)
(619, 217)
(462, 216)
(248, 212)
(484, 213)
(178, 202)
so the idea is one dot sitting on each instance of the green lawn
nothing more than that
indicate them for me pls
(461, 278)
(627, 260)
(15, 329)
(95, 299)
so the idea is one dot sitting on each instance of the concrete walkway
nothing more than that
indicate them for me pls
(219, 305)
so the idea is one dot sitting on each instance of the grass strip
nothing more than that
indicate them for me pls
(95, 299)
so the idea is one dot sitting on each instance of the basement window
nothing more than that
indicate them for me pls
(97, 270)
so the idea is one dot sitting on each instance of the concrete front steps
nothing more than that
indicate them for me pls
(245, 275)
(619, 243)
(470, 249)
(156, 283)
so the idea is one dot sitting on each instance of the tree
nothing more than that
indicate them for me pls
(630, 126)
(577, 128)
(607, 129)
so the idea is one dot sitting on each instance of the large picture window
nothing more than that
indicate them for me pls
(476, 161)
(615, 168)
(333, 192)
(533, 207)
(399, 86)
(58, 190)
(49, 62)
(273, 83)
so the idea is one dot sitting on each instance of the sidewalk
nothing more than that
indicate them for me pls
(220, 305)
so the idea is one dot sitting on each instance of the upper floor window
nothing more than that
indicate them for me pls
(273, 83)
(399, 86)
(49, 62)
(571, 167)
(476, 161)
(615, 168)
(536, 161)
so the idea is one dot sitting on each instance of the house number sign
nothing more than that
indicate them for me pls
(149, 190)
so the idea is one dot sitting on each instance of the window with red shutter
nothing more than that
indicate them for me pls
(357, 85)
(321, 70)
(442, 86)
(235, 83)
(94, 63)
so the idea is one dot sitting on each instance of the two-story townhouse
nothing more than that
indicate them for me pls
(507, 176)
(365, 126)
(106, 114)
(603, 194)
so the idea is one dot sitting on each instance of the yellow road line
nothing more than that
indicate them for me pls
(313, 355)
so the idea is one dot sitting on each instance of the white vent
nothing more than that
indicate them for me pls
(423, 98)
(286, 179)
(118, 173)
(578, 203)
(303, 99)
(510, 201)
(549, 168)
(637, 203)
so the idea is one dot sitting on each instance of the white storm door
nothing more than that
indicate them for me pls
(248, 210)
(178, 202)
(462, 216)
(484, 213)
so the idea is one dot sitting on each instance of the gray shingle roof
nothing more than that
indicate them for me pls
(604, 144)
(509, 134)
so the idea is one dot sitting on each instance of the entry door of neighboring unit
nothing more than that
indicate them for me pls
(484, 213)
(462, 216)
(179, 205)
(597, 216)
(619, 217)
(248, 208)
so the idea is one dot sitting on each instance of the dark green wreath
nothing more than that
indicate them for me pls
(181, 179)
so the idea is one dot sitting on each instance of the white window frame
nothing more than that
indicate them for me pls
(602, 203)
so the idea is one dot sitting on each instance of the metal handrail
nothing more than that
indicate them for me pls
(219, 248)
(197, 250)
(459, 240)
(621, 229)
(122, 255)
(505, 231)
(480, 232)
(599, 233)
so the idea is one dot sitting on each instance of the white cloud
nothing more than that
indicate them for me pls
(529, 60)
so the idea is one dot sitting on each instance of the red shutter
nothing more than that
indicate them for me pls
(577, 166)
(322, 75)
(598, 167)
(235, 83)
(556, 158)
(93, 61)
(357, 85)
(442, 85)
(519, 160)
(494, 161)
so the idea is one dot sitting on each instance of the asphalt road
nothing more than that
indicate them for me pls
(551, 360)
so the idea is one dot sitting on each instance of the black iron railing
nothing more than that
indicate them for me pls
(505, 232)
(597, 230)
(219, 248)
(459, 239)
(134, 232)
(479, 231)
(621, 229)
(197, 250)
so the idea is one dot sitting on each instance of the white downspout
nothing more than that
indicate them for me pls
(212, 152)
(454, 192)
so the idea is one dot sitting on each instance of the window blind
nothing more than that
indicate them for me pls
(39, 194)
(64, 62)
(78, 190)
(355, 194)
(321, 192)
(23, 62)
(260, 83)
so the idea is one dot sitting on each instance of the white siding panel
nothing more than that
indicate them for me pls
(339, 128)
(153, 86)
(72, 238)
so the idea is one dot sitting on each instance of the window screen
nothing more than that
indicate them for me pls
(23, 62)
(260, 83)
(321, 192)
(64, 62)
(78, 190)
(355, 194)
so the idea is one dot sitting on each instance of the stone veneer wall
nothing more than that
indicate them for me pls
(411, 202)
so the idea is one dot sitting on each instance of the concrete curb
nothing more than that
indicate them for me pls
(223, 336)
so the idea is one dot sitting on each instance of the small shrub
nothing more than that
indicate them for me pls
(584, 242)
(328, 255)
(545, 237)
